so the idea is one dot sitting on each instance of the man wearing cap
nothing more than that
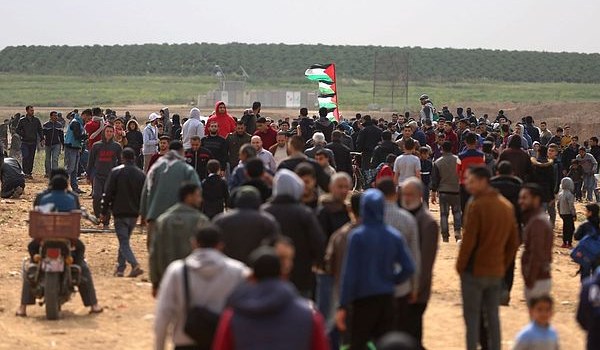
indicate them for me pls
(150, 135)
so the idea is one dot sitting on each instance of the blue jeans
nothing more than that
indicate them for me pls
(481, 295)
(589, 185)
(52, 153)
(450, 201)
(124, 227)
(83, 160)
(72, 156)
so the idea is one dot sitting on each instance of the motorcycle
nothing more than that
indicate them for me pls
(51, 272)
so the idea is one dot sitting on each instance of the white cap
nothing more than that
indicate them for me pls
(153, 116)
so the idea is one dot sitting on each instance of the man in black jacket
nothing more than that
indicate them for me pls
(217, 145)
(29, 129)
(299, 223)
(122, 196)
(240, 238)
(386, 147)
(341, 153)
(367, 140)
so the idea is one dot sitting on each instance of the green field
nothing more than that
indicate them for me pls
(46, 90)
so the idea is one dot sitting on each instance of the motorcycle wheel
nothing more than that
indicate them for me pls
(51, 292)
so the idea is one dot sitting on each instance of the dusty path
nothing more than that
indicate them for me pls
(127, 320)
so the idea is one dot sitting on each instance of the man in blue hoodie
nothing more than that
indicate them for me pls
(588, 312)
(370, 273)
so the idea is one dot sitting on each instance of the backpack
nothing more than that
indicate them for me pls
(587, 252)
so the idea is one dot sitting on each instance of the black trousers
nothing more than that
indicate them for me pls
(28, 151)
(568, 227)
(371, 318)
(415, 321)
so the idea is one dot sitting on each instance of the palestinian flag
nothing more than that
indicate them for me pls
(321, 72)
(328, 101)
(326, 88)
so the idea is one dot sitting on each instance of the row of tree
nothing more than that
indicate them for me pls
(263, 61)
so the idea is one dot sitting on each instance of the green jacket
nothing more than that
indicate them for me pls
(171, 238)
(161, 188)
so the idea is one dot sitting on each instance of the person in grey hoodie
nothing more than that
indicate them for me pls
(104, 156)
(211, 278)
(566, 210)
(192, 127)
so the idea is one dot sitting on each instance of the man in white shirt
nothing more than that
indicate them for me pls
(263, 154)
(407, 164)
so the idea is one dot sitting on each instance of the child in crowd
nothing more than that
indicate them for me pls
(426, 169)
(539, 334)
(576, 174)
(566, 210)
(215, 192)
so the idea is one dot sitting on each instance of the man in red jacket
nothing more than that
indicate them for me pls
(221, 117)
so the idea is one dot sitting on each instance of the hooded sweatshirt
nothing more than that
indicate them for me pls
(135, 139)
(566, 198)
(104, 156)
(375, 250)
(212, 277)
(270, 315)
(241, 239)
(225, 121)
(299, 223)
(192, 127)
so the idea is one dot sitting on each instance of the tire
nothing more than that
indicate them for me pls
(51, 295)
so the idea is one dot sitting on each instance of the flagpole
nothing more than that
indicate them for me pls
(337, 94)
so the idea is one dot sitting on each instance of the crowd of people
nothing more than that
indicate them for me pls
(250, 218)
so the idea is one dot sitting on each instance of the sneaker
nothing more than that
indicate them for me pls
(446, 239)
(564, 245)
(118, 273)
(570, 245)
(17, 193)
(136, 271)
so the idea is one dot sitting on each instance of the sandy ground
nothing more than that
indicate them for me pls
(128, 317)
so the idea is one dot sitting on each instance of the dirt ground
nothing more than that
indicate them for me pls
(129, 307)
